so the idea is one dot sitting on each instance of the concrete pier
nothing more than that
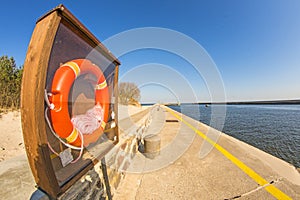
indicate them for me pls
(181, 170)
(231, 170)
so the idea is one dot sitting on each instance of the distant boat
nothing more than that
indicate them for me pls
(206, 105)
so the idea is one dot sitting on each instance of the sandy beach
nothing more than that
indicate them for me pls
(15, 175)
(11, 144)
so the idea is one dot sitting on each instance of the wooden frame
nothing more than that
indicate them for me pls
(34, 82)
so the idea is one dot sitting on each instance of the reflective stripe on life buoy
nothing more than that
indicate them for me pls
(63, 80)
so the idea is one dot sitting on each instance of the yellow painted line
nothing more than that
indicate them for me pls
(251, 173)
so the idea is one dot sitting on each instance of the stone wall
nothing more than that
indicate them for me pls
(120, 157)
(90, 186)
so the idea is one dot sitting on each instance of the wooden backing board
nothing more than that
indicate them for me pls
(33, 105)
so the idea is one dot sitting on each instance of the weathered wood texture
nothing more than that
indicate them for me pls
(32, 103)
(57, 38)
(116, 93)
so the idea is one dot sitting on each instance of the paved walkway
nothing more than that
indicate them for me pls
(16, 180)
(231, 170)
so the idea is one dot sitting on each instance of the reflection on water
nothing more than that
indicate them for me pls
(274, 129)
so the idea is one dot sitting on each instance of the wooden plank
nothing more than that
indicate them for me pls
(32, 103)
(116, 95)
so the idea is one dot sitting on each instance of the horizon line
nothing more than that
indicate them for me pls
(293, 101)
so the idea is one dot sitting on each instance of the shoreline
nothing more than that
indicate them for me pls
(258, 102)
(231, 168)
(242, 129)
(189, 166)
(277, 164)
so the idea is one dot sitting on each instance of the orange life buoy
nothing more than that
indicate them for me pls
(63, 80)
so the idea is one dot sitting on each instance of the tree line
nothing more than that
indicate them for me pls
(129, 94)
(10, 83)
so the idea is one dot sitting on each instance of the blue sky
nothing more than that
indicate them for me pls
(254, 44)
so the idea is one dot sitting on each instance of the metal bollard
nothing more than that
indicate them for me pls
(39, 195)
(152, 146)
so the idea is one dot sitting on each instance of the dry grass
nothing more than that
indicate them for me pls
(4, 111)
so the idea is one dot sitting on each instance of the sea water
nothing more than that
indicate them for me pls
(274, 129)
